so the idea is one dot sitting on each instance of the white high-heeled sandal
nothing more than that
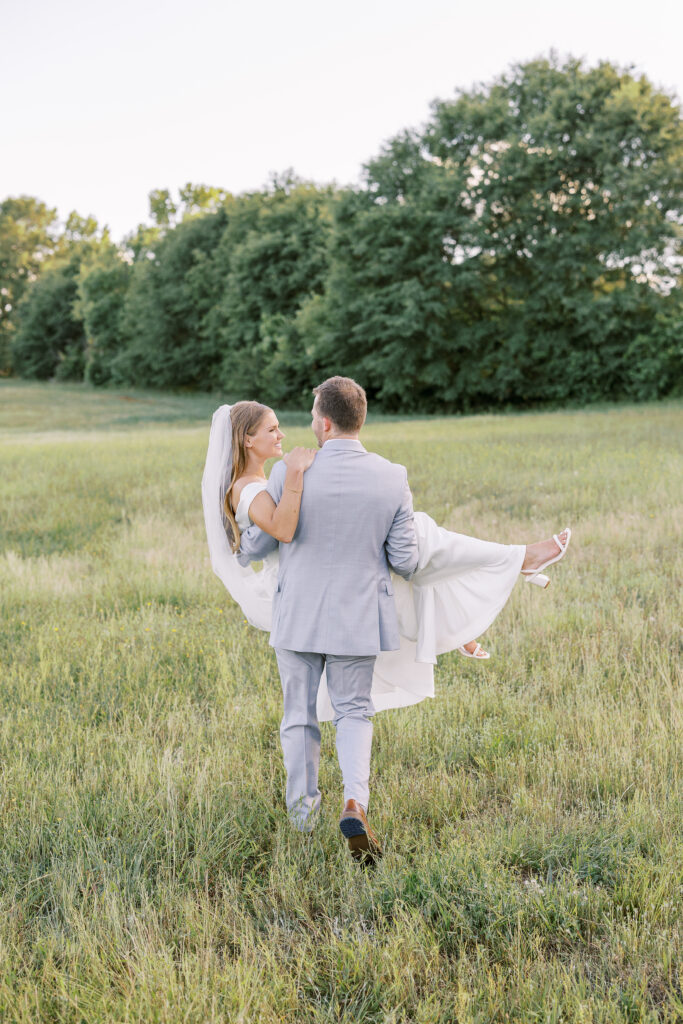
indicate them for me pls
(536, 575)
(476, 653)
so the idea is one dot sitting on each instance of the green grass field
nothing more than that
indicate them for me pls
(531, 813)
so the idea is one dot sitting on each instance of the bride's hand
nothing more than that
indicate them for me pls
(300, 458)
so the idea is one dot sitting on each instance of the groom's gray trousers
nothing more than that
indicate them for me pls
(349, 682)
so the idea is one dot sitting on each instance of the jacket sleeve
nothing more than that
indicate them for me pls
(255, 543)
(401, 542)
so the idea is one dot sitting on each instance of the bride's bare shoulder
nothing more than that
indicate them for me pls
(239, 485)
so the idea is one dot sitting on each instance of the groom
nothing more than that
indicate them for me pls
(334, 606)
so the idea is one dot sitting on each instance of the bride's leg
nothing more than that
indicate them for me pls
(541, 551)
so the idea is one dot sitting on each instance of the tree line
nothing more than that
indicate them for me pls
(523, 246)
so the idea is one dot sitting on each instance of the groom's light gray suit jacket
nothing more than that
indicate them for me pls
(334, 593)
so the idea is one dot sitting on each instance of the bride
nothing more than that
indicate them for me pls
(460, 586)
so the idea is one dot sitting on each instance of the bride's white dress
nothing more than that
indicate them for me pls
(460, 586)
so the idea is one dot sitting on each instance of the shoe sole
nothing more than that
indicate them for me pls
(361, 846)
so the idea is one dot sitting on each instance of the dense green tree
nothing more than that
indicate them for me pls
(389, 299)
(157, 337)
(27, 238)
(165, 342)
(50, 341)
(575, 186)
(103, 282)
(516, 249)
(272, 257)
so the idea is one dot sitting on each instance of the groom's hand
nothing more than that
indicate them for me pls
(299, 459)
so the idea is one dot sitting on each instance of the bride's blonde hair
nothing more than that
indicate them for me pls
(245, 418)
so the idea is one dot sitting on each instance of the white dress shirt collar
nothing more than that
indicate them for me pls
(344, 443)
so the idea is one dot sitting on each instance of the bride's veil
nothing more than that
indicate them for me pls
(244, 585)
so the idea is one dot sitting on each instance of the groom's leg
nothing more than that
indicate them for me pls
(300, 674)
(349, 681)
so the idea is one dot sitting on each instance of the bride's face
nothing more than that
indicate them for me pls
(266, 441)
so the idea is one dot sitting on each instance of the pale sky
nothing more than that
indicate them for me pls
(104, 102)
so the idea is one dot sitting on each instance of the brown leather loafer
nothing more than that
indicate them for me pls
(363, 842)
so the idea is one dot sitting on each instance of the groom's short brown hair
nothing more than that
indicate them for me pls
(343, 401)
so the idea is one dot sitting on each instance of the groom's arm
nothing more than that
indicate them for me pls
(255, 543)
(401, 542)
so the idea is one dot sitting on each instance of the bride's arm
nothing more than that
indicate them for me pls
(281, 520)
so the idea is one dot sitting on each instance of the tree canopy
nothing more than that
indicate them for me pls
(523, 246)
(520, 248)
(27, 237)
